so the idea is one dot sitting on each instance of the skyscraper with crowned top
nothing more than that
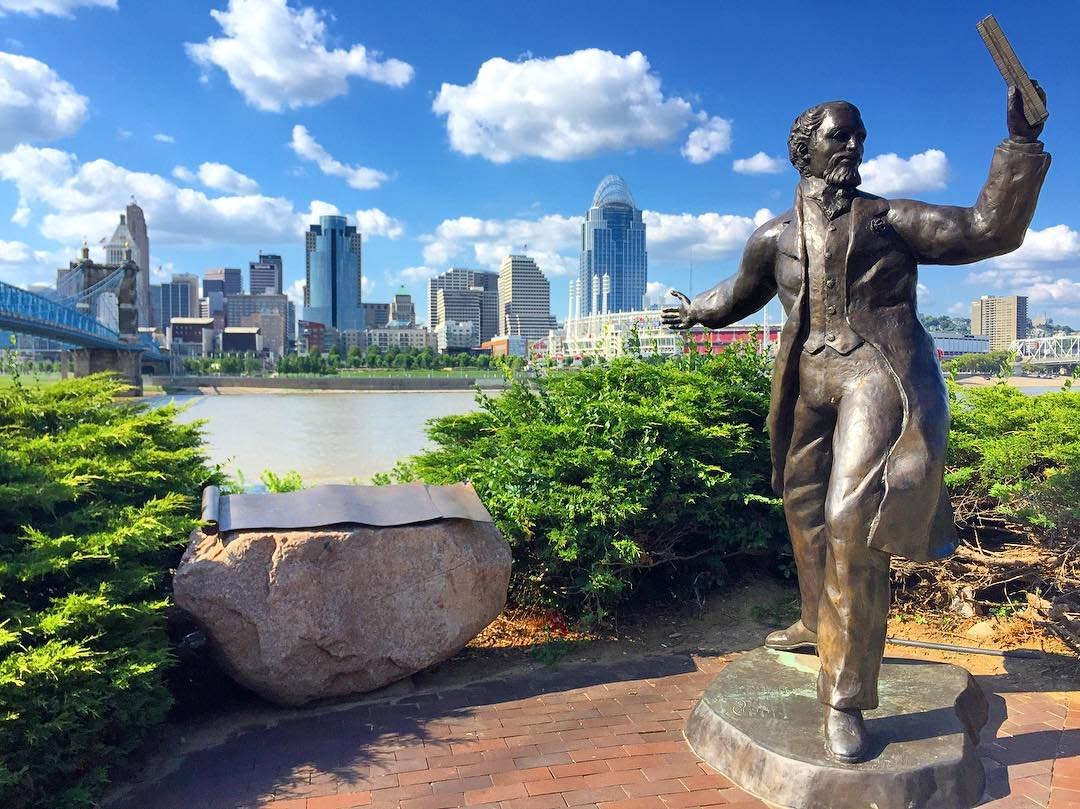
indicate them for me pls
(332, 264)
(614, 263)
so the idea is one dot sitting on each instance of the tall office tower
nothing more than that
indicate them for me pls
(1002, 319)
(131, 232)
(376, 315)
(524, 299)
(290, 327)
(192, 282)
(485, 286)
(173, 300)
(402, 310)
(226, 280)
(264, 275)
(614, 263)
(332, 272)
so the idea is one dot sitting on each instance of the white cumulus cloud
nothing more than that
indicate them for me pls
(307, 148)
(759, 163)
(699, 237)
(1051, 245)
(370, 221)
(81, 200)
(554, 240)
(35, 103)
(277, 56)
(567, 107)
(184, 174)
(489, 241)
(706, 141)
(57, 8)
(222, 177)
(164, 137)
(13, 252)
(374, 222)
(889, 174)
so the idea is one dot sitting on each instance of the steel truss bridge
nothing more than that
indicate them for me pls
(1062, 351)
(67, 319)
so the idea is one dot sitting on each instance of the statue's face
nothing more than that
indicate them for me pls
(836, 148)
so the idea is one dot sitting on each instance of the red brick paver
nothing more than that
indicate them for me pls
(594, 737)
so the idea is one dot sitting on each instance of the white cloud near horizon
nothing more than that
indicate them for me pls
(277, 56)
(1045, 268)
(759, 163)
(371, 222)
(571, 106)
(55, 8)
(554, 240)
(307, 148)
(1050, 245)
(35, 103)
(890, 174)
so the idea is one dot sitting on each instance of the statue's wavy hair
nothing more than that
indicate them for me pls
(802, 130)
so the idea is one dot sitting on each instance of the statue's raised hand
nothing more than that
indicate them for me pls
(678, 317)
(1019, 128)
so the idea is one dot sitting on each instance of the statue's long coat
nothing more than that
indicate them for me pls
(888, 239)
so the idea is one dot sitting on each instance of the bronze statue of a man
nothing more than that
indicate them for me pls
(859, 415)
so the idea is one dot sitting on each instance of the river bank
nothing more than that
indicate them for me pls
(1025, 383)
(224, 385)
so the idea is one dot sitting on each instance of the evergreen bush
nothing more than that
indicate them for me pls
(618, 476)
(1016, 454)
(97, 497)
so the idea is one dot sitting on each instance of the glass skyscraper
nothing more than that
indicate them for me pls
(613, 265)
(332, 266)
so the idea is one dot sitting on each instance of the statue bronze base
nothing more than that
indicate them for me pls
(760, 724)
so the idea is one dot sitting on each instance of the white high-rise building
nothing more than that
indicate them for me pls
(524, 299)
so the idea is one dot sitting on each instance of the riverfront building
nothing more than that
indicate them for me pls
(226, 280)
(376, 315)
(264, 275)
(524, 299)
(613, 264)
(270, 313)
(480, 285)
(332, 273)
(1001, 319)
(614, 335)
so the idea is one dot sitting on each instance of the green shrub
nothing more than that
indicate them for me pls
(619, 475)
(96, 501)
(1016, 454)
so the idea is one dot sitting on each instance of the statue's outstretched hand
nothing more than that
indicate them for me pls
(1019, 128)
(678, 317)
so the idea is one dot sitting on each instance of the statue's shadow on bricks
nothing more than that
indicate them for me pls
(354, 748)
(1028, 729)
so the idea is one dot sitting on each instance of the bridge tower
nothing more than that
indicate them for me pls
(98, 300)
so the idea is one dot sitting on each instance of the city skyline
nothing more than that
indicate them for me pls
(420, 148)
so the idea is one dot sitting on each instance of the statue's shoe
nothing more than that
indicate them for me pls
(846, 738)
(796, 636)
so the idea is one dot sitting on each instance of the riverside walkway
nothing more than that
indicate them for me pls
(583, 735)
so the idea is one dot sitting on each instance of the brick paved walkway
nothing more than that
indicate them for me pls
(582, 736)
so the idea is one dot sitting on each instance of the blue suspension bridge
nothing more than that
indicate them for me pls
(80, 316)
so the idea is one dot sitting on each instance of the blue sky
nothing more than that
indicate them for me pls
(457, 132)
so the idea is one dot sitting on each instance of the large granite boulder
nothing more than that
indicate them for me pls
(305, 614)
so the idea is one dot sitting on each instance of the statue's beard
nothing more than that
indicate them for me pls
(844, 174)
